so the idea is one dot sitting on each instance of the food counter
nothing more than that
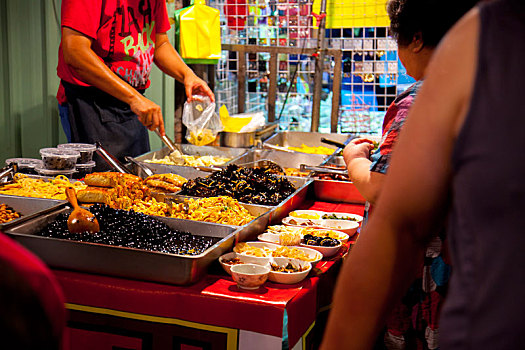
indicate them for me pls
(109, 312)
(148, 297)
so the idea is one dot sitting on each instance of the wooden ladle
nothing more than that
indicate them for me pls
(80, 220)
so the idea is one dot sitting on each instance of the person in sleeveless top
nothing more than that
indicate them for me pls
(457, 160)
(417, 26)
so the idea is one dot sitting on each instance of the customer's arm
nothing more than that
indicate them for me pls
(78, 54)
(368, 183)
(169, 61)
(413, 198)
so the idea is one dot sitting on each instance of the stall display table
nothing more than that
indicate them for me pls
(115, 313)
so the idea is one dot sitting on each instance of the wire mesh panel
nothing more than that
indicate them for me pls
(358, 28)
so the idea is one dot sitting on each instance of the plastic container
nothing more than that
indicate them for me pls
(86, 151)
(25, 165)
(59, 159)
(84, 169)
(40, 170)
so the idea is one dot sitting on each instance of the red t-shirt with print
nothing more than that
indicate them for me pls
(123, 34)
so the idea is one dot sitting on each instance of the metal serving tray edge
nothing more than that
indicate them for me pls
(28, 207)
(125, 262)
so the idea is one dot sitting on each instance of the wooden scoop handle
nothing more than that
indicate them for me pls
(71, 195)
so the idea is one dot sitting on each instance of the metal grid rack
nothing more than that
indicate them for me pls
(370, 68)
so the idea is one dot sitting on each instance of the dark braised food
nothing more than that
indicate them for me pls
(335, 217)
(125, 228)
(320, 241)
(247, 185)
(289, 268)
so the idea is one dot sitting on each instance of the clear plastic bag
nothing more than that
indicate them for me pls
(200, 119)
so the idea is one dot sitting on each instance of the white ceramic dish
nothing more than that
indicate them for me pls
(289, 277)
(348, 227)
(227, 256)
(326, 251)
(318, 215)
(313, 255)
(250, 276)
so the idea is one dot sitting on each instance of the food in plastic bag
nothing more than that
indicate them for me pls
(200, 119)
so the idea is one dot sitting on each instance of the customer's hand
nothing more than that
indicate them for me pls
(357, 148)
(196, 86)
(148, 112)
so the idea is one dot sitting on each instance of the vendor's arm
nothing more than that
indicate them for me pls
(169, 61)
(356, 156)
(78, 55)
(413, 199)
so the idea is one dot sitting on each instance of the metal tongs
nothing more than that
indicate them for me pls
(112, 160)
(322, 169)
(7, 173)
(277, 148)
(167, 141)
(146, 170)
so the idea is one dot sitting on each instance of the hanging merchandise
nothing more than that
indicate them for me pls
(198, 33)
(236, 12)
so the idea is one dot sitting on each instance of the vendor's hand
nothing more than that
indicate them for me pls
(357, 148)
(149, 113)
(196, 86)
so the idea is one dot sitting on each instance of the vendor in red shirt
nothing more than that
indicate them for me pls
(105, 58)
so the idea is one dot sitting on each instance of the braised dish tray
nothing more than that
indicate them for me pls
(125, 262)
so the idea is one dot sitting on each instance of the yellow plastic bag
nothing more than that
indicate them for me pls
(199, 33)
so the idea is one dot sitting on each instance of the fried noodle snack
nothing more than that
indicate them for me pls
(222, 210)
(39, 188)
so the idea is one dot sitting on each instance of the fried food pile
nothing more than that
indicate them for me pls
(122, 191)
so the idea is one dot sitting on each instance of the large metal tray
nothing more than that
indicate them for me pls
(28, 207)
(337, 191)
(188, 149)
(284, 159)
(312, 139)
(125, 262)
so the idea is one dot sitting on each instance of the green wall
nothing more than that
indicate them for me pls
(29, 40)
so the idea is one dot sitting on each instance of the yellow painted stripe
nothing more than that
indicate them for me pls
(231, 333)
(306, 334)
(324, 308)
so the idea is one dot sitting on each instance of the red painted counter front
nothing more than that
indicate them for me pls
(114, 313)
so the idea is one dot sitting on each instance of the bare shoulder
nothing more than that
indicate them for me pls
(452, 70)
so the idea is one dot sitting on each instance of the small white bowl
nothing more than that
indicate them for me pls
(307, 214)
(342, 216)
(250, 276)
(326, 251)
(251, 259)
(343, 237)
(289, 277)
(268, 237)
(348, 227)
(228, 256)
(312, 254)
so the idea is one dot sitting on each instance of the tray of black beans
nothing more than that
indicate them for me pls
(309, 239)
(133, 230)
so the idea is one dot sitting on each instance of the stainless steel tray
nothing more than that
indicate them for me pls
(245, 139)
(337, 191)
(188, 149)
(312, 139)
(284, 159)
(125, 262)
(28, 207)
